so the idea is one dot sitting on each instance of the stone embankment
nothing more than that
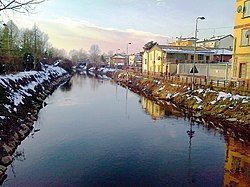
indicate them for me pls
(225, 111)
(21, 97)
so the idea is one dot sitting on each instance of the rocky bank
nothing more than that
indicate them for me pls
(224, 111)
(22, 96)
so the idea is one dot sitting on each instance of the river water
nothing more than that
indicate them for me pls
(95, 133)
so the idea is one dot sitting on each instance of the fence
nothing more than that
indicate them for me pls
(202, 81)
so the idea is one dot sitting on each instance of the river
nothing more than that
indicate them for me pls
(95, 133)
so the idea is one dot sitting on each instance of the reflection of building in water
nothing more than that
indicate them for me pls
(153, 109)
(237, 164)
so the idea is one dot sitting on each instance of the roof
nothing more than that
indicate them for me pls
(186, 51)
(119, 56)
(186, 39)
(190, 50)
(222, 52)
(213, 38)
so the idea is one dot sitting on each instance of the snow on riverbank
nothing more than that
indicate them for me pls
(21, 85)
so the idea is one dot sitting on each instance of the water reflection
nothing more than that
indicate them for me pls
(157, 111)
(66, 87)
(153, 109)
(237, 164)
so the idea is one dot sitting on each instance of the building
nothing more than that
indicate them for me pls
(163, 59)
(118, 60)
(241, 57)
(183, 42)
(135, 60)
(219, 42)
(222, 55)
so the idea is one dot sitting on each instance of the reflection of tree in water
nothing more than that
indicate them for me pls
(95, 83)
(18, 156)
(66, 86)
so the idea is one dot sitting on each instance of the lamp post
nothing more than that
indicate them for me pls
(195, 43)
(127, 52)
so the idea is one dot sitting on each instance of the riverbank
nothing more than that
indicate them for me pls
(22, 96)
(226, 111)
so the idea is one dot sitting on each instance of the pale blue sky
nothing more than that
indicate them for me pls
(133, 20)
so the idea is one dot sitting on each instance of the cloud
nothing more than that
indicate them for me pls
(70, 34)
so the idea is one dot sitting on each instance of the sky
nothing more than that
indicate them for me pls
(111, 24)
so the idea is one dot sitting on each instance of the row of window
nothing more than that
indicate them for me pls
(200, 57)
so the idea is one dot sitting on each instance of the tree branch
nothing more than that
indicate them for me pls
(19, 5)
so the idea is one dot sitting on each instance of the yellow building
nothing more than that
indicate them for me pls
(163, 59)
(241, 59)
(153, 61)
(153, 109)
(237, 164)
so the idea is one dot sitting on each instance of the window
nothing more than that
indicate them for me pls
(207, 58)
(243, 69)
(145, 61)
(244, 37)
(200, 57)
(246, 9)
(185, 56)
(192, 57)
(150, 56)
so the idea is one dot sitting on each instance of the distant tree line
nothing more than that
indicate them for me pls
(94, 55)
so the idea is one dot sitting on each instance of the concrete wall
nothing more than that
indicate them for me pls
(226, 43)
(211, 71)
(172, 69)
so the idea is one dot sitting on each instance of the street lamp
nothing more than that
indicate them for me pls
(127, 52)
(195, 43)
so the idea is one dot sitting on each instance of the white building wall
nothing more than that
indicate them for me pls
(211, 71)
(226, 43)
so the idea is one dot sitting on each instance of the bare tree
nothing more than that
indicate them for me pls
(94, 53)
(19, 5)
(82, 55)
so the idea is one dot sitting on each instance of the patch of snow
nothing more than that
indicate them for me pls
(200, 107)
(224, 96)
(244, 101)
(199, 100)
(213, 102)
(17, 94)
(174, 85)
(175, 95)
(169, 95)
(162, 88)
(8, 107)
(2, 117)
(200, 91)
